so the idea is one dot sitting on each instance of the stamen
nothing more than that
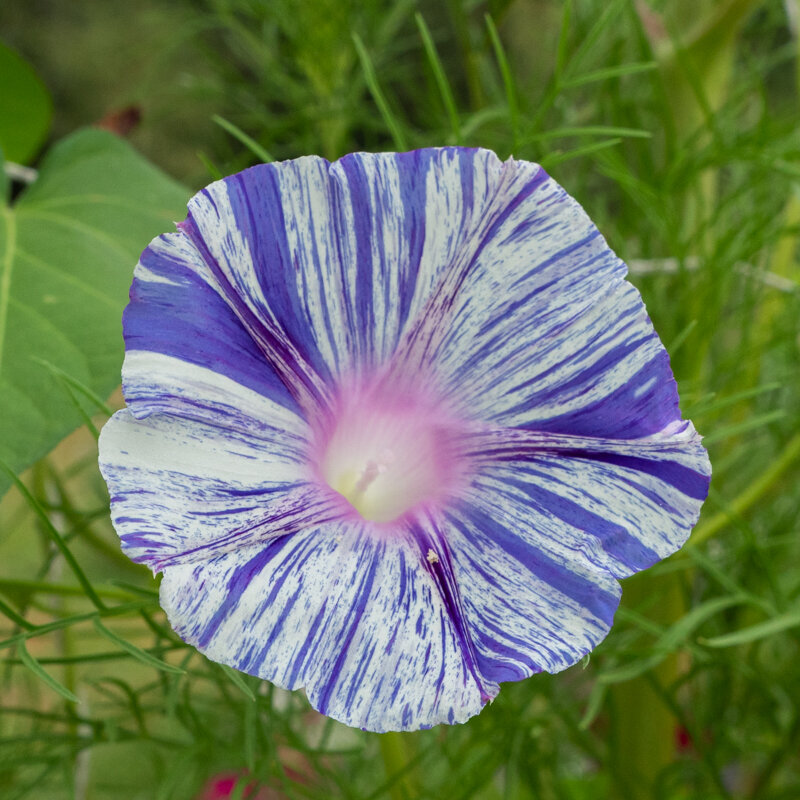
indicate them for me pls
(371, 471)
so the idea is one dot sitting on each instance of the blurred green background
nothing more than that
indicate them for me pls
(675, 124)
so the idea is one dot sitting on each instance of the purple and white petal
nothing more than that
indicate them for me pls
(341, 258)
(531, 603)
(357, 620)
(624, 504)
(540, 330)
(405, 221)
(183, 490)
(187, 352)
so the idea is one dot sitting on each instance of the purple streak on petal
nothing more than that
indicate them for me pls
(642, 406)
(625, 503)
(295, 373)
(257, 205)
(239, 579)
(367, 217)
(368, 213)
(688, 481)
(366, 581)
(542, 332)
(431, 540)
(183, 489)
(570, 583)
(526, 612)
(425, 334)
(323, 608)
(614, 539)
(181, 316)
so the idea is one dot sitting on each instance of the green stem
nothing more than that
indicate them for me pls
(645, 725)
(30, 587)
(41, 630)
(79, 522)
(397, 754)
(15, 618)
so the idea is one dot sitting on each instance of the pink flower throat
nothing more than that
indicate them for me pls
(389, 453)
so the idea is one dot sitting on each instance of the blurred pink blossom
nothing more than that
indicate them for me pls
(221, 786)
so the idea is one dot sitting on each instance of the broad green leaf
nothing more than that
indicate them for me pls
(26, 108)
(67, 252)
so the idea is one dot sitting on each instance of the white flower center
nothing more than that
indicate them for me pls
(388, 455)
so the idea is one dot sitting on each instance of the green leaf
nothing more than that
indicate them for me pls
(67, 252)
(27, 108)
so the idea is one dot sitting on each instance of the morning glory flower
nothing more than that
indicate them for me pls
(396, 425)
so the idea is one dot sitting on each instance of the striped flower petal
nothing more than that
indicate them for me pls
(343, 258)
(183, 490)
(187, 352)
(531, 603)
(361, 622)
(542, 331)
(541, 539)
(624, 503)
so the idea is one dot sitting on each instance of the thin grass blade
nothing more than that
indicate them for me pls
(56, 537)
(79, 386)
(753, 633)
(36, 668)
(608, 73)
(371, 78)
(439, 75)
(238, 681)
(136, 652)
(508, 79)
(248, 141)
